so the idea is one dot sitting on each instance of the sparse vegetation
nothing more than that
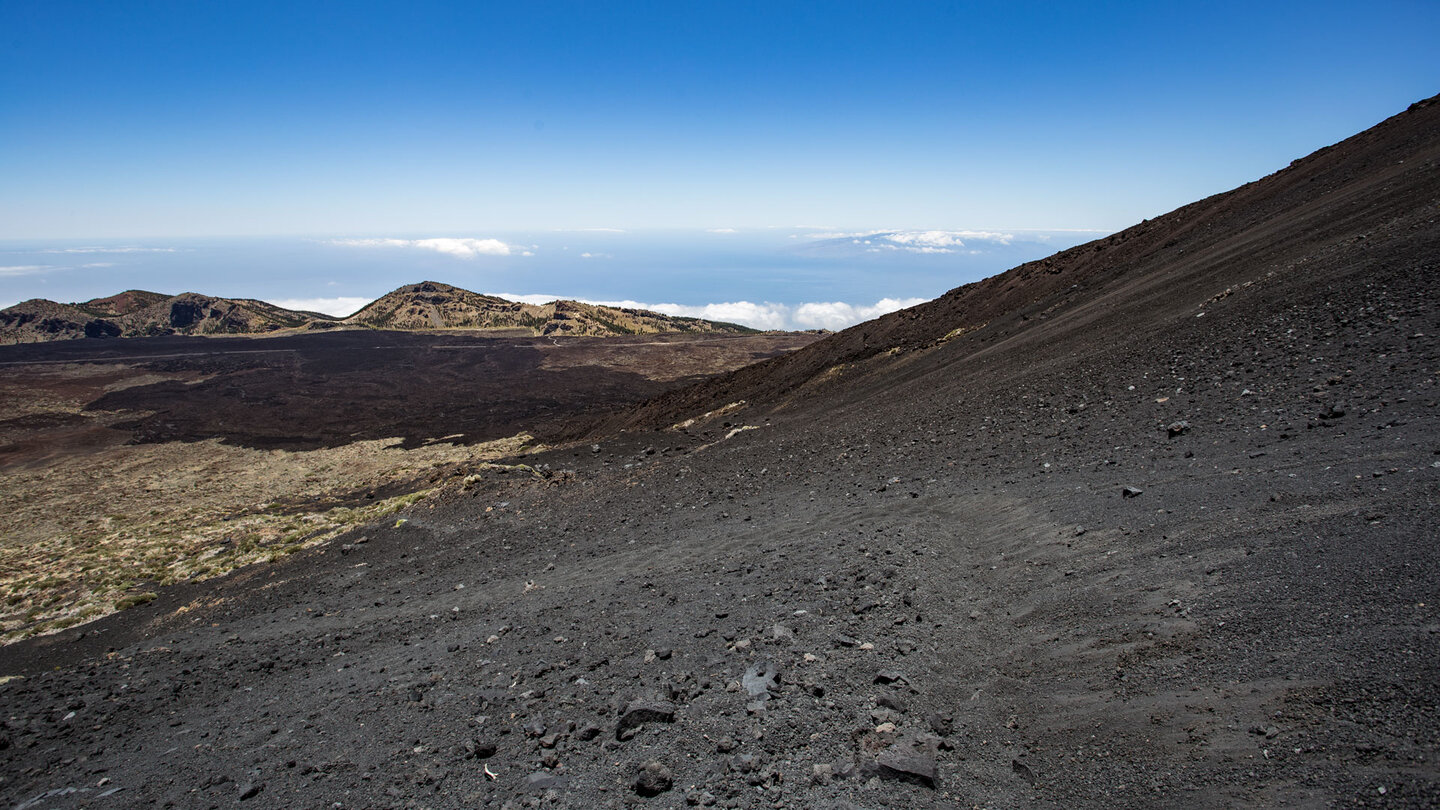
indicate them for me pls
(79, 539)
(123, 603)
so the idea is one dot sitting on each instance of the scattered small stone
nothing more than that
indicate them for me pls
(890, 676)
(654, 779)
(884, 717)
(821, 773)
(639, 712)
(744, 763)
(1132, 492)
(1022, 770)
(544, 780)
(846, 641)
(1177, 429)
(588, 732)
(910, 759)
(249, 790)
(760, 678)
(939, 723)
(891, 702)
(703, 798)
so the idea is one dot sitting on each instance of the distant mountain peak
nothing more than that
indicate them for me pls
(436, 305)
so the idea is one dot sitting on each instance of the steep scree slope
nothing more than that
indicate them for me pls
(1322, 220)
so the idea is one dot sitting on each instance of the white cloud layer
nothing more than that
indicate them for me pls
(111, 250)
(833, 315)
(912, 241)
(340, 306)
(838, 315)
(464, 248)
(25, 269)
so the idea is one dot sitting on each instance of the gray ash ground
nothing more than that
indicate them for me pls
(922, 583)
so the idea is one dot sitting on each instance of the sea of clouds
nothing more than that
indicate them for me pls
(832, 315)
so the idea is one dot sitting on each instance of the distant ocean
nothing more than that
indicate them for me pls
(776, 278)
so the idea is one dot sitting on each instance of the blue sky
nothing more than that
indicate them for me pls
(124, 123)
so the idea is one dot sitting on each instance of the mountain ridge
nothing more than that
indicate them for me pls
(427, 305)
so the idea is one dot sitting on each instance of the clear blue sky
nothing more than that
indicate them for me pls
(134, 119)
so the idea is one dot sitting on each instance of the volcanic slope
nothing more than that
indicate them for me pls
(1151, 525)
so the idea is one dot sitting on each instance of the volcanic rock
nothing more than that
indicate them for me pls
(639, 712)
(654, 779)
